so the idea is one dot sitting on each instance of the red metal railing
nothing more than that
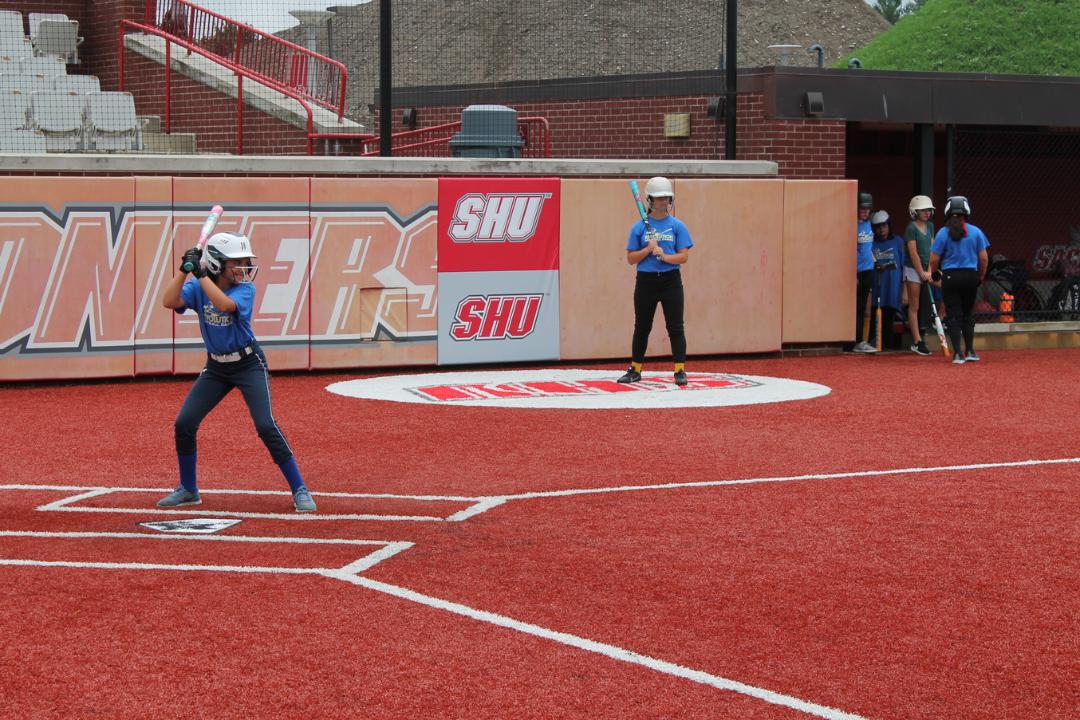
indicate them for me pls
(240, 72)
(434, 141)
(266, 57)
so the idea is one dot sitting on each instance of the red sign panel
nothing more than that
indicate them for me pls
(498, 224)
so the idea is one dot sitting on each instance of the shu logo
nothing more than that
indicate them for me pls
(496, 217)
(495, 317)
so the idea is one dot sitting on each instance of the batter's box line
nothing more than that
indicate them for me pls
(477, 505)
(387, 549)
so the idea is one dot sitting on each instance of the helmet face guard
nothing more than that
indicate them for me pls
(224, 247)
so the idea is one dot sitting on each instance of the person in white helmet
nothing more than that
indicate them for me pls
(659, 247)
(919, 235)
(959, 259)
(222, 294)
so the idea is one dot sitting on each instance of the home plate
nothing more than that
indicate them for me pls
(191, 526)
(577, 389)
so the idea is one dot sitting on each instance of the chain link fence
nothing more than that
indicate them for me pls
(302, 76)
(1022, 184)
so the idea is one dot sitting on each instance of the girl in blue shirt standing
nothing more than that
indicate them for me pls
(223, 295)
(658, 254)
(958, 256)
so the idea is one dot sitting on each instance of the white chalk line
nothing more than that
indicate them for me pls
(484, 503)
(68, 504)
(611, 651)
(387, 549)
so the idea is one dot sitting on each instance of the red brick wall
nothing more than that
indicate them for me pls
(622, 128)
(633, 128)
(210, 114)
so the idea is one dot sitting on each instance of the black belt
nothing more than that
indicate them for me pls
(233, 356)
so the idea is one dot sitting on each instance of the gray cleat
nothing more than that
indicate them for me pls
(303, 501)
(179, 497)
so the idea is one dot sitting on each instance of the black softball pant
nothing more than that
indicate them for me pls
(252, 375)
(665, 288)
(864, 284)
(960, 288)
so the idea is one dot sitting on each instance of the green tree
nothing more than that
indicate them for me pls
(893, 10)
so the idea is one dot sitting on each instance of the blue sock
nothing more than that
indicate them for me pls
(291, 471)
(187, 471)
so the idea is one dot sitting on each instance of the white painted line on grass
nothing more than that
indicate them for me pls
(612, 651)
(182, 536)
(785, 478)
(480, 507)
(366, 563)
(157, 566)
(310, 517)
(57, 504)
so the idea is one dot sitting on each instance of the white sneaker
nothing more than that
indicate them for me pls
(957, 359)
(864, 347)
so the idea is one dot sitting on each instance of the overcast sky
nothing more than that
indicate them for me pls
(268, 15)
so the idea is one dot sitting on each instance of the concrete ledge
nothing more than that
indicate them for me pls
(1020, 336)
(143, 164)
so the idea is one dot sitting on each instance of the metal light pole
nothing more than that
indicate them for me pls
(731, 85)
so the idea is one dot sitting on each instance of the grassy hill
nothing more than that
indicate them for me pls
(1026, 37)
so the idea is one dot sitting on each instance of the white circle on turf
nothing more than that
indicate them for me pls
(577, 389)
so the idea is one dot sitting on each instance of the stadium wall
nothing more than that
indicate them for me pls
(348, 269)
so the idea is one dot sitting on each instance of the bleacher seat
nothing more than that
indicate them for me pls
(11, 24)
(48, 66)
(14, 110)
(111, 125)
(54, 35)
(15, 49)
(80, 84)
(59, 117)
(13, 41)
(25, 83)
(22, 142)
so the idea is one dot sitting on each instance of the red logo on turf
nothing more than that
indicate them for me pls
(496, 217)
(568, 388)
(495, 317)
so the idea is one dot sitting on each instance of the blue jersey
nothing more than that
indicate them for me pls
(864, 254)
(222, 332)
(961, 254)
(887, 283)
(672, 236)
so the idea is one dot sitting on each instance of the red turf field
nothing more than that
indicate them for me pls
(833, 586)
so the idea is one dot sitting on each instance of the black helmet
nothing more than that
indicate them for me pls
(958, 205)
(866, 200)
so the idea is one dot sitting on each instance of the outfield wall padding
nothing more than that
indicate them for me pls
(348, 269)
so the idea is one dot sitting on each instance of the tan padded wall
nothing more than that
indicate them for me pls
(732, 280)
(59, 279)
(153, 233)
(391, 284)
(819, 260)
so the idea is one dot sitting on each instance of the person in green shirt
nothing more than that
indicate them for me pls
(918, 237)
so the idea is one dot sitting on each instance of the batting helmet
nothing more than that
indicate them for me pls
(919, 202)
(866, 200)
(879, 218)
(229, 246)
(659, 187)
(958, 205)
